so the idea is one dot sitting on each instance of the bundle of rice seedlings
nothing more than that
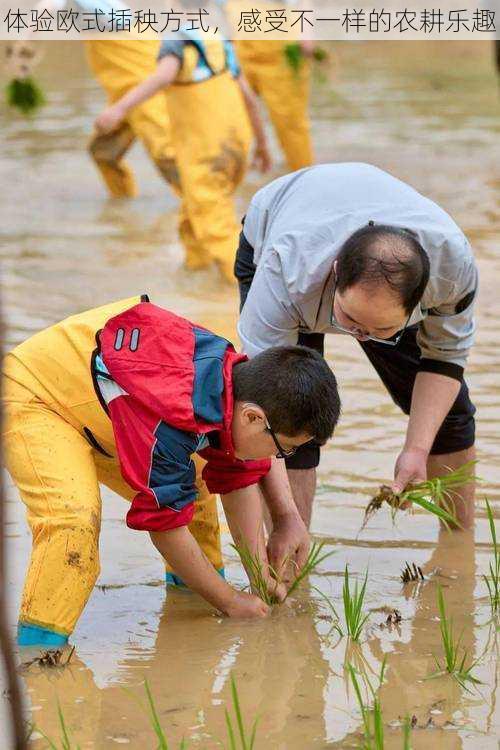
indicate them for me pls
(255, 572)
(25, 95)
(295, 57)
(434, 495)
(258, 580)
(22, 91)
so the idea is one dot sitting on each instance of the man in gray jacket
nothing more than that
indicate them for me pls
(349, 249)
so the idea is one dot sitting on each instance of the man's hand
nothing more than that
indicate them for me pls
(276, 589)
(288, 544)
(109, 120)
(411, 467)
(243, 605)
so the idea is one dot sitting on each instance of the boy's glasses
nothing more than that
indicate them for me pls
(282, 453)
(393, 341)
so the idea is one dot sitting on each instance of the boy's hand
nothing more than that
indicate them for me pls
(243, 605)
(288, 544)
(109, 120)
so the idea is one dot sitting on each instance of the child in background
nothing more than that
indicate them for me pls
(130, 413)
(209, 105)
(285, 91)
(119, 65)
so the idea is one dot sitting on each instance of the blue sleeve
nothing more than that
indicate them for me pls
(231, 60)
(172, 47)
(158, 465)
(173, 474)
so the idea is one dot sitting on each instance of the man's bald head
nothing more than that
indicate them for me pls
(381, 254)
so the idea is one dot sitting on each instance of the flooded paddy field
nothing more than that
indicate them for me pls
(428, 113)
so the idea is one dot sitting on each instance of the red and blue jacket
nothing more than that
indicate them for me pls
(166, 385)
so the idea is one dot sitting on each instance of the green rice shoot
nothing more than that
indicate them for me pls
(456, 661)
(66, 742)
(246, 742)
(372, 719)
(25, 95)
(435, 495)
(254, 568)
(259, 582)
(353, 601)
(493, 579)
(407, 733)
(355, 617)
(314, 558)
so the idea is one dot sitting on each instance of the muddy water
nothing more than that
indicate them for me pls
(429, 114)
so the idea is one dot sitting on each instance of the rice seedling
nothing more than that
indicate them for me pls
(353, 601)
(66, 742)
(434, 495)
(258, 580)
(314, 558)
(373, 724)
(456, 662)
(407, 733)
(355, 617)
(255, 571)
(155, 723)
(493, 579)
(246, 742)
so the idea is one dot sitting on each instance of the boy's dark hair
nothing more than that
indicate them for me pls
(294, 387)
(385, 253)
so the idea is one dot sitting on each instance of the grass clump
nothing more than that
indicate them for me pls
(493, 579)
(373, 724)
(434, 495)
(455, 655)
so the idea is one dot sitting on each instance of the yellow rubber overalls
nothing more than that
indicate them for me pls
(119, 65)
(285, 93)
(211, 135)
(55, 432)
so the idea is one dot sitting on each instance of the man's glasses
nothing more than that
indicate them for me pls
(393, 341)
(282, 453)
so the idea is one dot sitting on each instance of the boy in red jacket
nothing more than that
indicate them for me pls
(128, 395)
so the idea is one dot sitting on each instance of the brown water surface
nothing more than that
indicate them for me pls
(428, 113)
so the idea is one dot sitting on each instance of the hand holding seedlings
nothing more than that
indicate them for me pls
(288, 546)
(434, 495)
(275, 591)
(244, 605)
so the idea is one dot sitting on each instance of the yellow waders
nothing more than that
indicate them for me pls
(119, 65)
(211, 135)
(285, 94)
(48, 400)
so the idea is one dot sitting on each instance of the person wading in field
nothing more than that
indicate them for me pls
(349, 249)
